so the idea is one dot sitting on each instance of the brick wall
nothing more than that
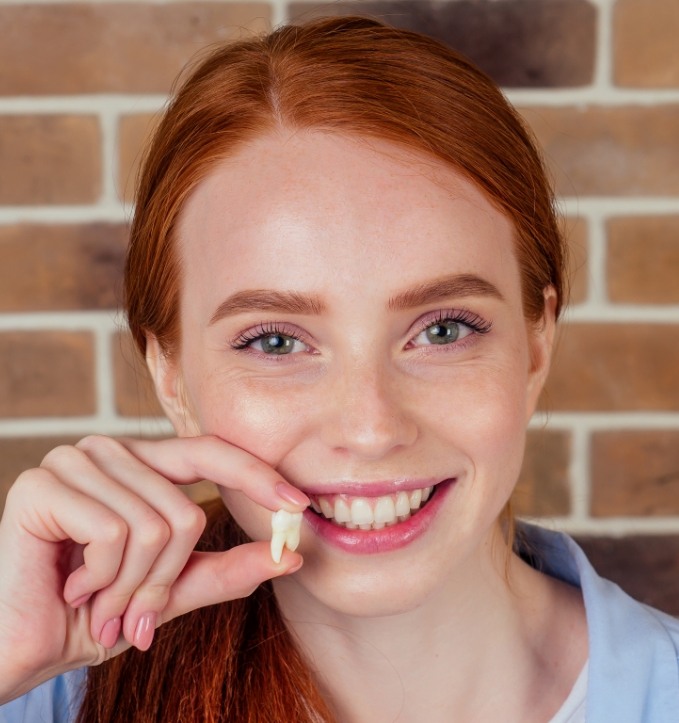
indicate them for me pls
(598, 80)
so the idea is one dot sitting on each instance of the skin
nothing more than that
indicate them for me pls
(364, 396)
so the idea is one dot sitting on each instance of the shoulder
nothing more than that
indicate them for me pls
(54, 701)
(633, 648)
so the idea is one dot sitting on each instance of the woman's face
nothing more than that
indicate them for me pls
(351, 314)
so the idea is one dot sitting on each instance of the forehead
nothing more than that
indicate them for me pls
(294, 208)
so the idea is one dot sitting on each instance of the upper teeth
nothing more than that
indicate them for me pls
(285, 528)
(370, 513)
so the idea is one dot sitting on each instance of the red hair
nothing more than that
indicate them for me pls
(237, 661)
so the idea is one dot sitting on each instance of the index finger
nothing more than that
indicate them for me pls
(184, 460)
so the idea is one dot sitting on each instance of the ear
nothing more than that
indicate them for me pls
(541, 343)
(167, 381)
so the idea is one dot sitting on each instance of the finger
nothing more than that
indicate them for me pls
(191, 459)
(214, 577)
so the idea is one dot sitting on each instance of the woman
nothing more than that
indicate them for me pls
(345, 273)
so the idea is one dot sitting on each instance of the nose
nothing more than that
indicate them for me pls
(367, 415)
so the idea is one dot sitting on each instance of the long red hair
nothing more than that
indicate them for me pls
(237, 661)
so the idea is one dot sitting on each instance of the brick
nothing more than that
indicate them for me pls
(134, 132)
(519, 43)
(134, 392)
(543, 488)
(46, 374)
(642, 260)
(51, 268)
(635, 473)
(610, 151)
(614, 367)
(645, 47)
(645, 566)
(112, 47)
(49, 159)
(22, 453)
(577, 234)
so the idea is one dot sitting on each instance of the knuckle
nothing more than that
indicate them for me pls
(60, 456)
(113, 531)
(98, 443)
(191, 520)
(153, 533)
(30, 484)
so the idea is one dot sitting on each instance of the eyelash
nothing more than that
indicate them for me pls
(461, 316)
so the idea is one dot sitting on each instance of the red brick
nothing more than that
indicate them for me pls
(615, 367)
(519, 43)
(49, 159)
(133, 134)
(50, 268)
(46, 374)
(642, 260)
(71, 48)
(577, 233)
(635, 473)
(543, 488)
(134, 392)
(600, 151)
(645, 47)
(645, 566)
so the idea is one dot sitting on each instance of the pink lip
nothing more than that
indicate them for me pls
(370, 489)
(370, 542)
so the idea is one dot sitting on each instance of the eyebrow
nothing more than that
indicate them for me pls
(293, 302)
(445, 287)
(290, 302)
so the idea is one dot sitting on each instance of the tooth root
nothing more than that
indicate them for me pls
(415, 499)
(277, 544)
(292, 538)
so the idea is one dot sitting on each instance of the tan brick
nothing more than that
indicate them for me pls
(46, 374)
(577, 234)
(62, 48)
(50, 268)
(645, 566)
(134, 132)
(635, 473)
(614, 367)
(134, 392)
(519, 43)
(645, 47)
(49, 159)
(643, 259)
(543, 488)
(599, 151)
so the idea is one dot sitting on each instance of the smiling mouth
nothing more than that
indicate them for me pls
(370, 513)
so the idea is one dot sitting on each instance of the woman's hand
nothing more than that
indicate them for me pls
(97, 550)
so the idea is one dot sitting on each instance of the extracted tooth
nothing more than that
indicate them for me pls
(285, 528)
(415, 499)
(402, 504)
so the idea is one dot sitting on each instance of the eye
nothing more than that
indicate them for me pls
(449, 327)
(278, 344)
(270, 340)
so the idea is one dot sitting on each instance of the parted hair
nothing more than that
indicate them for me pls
(236, 661)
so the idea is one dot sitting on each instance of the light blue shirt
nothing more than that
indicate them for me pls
(633, 663)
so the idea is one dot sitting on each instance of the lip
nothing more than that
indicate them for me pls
(395, 537)
(371, 489)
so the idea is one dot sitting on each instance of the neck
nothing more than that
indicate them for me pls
(478, 648)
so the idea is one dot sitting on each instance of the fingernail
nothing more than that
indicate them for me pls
(110, 632)
(146, 627)
(292, 494)
(81, 600)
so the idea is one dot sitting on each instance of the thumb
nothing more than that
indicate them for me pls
(215, 577)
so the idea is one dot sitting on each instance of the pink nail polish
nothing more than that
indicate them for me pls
(146, 627)
(292, 494)
(110, 632)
